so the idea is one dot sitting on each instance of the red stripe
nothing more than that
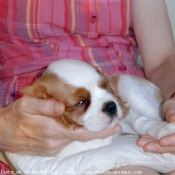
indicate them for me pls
(67, 15)
(68, 20)
(35, 19)
(124, 16)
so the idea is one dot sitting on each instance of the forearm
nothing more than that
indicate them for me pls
(164, 77)
(155, 40)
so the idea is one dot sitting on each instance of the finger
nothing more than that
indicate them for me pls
(51, 108)
(168, 110)
(168, 141)
(23, 146)
(155, 147)
(143, 140)
(40, 146)
(51, 147)
(56, 148)
(84, 135)
(171, 118)
(149, 144)
(108, 132)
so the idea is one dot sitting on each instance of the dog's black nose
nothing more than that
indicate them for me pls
(110, 108)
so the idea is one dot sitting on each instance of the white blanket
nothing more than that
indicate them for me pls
(123, 151)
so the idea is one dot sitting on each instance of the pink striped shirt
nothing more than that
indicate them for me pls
(34, 33)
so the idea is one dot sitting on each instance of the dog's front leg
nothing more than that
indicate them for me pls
(145, 125)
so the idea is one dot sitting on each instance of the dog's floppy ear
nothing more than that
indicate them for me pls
(39, 88)
(111, 84)
(36, 90)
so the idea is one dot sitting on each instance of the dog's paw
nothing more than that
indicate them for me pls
(164, 130)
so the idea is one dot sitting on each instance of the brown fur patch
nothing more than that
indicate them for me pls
(111, 85)
(103, 83)
(76, 100)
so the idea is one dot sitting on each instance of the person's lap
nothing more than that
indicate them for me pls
(138, 170)
(134, 170)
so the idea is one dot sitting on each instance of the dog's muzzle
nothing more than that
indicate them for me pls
(110, 108)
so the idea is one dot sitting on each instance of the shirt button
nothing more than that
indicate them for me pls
(110, 45)
(122, 68)
(93, 19)
(99, 35)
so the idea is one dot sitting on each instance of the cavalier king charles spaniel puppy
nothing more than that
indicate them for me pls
(96, 102)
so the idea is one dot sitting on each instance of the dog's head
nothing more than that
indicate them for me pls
(82, 90)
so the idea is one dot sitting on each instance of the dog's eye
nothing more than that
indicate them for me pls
(82, 102)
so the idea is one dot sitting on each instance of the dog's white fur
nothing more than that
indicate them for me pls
(79, 74)
(138, 104)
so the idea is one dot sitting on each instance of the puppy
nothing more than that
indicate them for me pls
(87, 102)
(96, 102)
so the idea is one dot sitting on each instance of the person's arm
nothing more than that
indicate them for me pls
(156, 44)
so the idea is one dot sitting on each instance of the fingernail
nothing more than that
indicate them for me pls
(151, 148)
(141, 142)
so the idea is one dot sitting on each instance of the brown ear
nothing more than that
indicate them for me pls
(36, 90)
(39, 88)
(112, 86)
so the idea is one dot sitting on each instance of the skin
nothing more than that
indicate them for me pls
(155, 40)
(133, 170)
(34, 130)
(165, 144)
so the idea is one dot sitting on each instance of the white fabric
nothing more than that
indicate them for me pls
(123, 151)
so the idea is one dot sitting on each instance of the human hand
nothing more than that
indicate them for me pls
(28, 126)
(165, 144)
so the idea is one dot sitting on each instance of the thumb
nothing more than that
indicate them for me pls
(168, 110)
(49, 107)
